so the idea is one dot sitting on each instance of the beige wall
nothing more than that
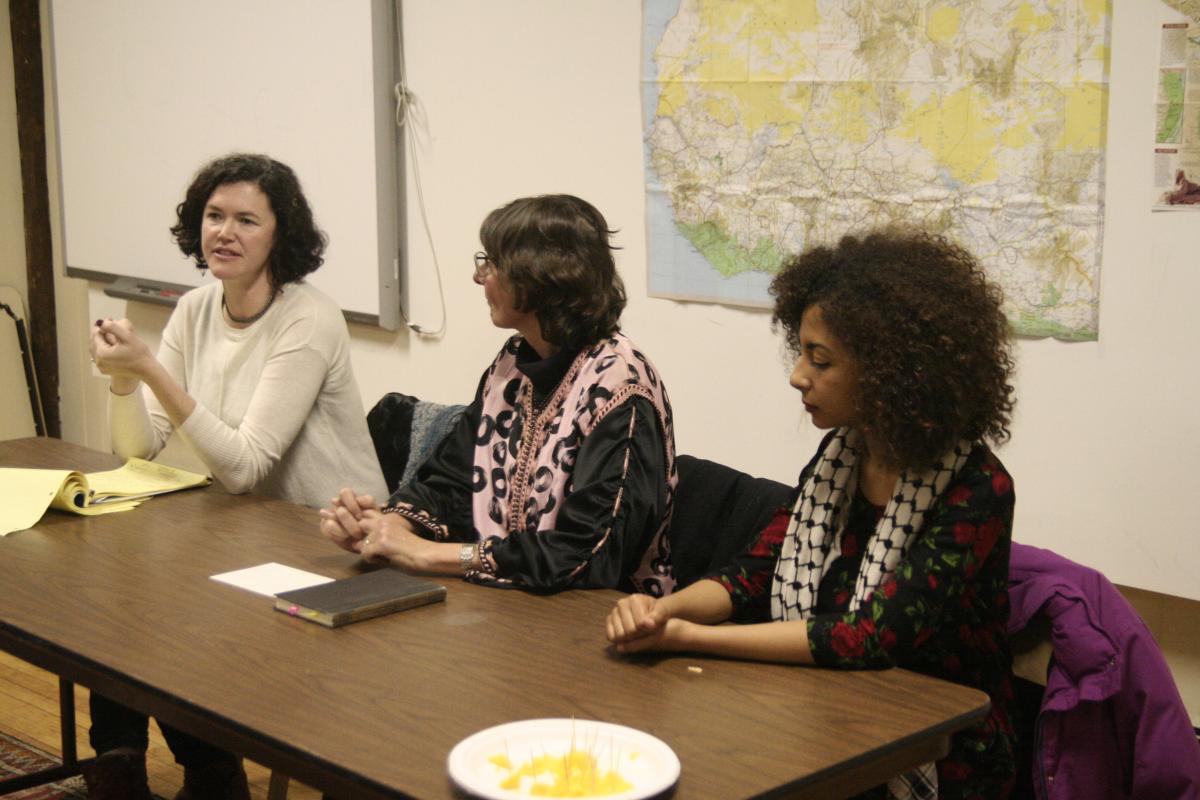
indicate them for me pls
(1175, 623)
(595, 151)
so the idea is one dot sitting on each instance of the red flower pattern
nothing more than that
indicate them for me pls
(771, 539)
(923, 636)
(989, 532)
(958, 496)
(846, 640)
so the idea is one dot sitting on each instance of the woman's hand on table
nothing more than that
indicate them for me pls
(343, 522)
(640, 622)
(392, 538)
(356, 523)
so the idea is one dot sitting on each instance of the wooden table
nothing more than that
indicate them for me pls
(123, 604)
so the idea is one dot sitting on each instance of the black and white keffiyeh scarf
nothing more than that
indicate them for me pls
(813, 543)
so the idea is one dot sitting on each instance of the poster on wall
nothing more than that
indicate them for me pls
(770, 127)
(1176, 175)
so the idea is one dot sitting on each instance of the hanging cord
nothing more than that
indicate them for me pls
(405, 110)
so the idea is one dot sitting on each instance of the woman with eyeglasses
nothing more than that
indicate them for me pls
(895, 551)
(561, 471)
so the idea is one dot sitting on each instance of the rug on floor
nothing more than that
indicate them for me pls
(19, 758)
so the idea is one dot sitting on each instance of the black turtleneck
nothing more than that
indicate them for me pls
(544, 373)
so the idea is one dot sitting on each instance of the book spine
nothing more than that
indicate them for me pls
(309, 614)
(388, 606)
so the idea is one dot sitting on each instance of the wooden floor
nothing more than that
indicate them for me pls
(29, 711)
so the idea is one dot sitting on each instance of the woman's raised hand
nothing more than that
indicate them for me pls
(119, 353)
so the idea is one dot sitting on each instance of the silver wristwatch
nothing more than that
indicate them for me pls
(466, 557)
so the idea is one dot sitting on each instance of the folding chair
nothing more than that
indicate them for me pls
(16, 362)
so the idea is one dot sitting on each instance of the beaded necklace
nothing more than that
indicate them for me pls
(253, 317)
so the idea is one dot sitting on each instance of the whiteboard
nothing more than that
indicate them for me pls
(148, 92)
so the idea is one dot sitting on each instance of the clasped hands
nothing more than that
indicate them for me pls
(640, 622)
(356, 523)
(119, 353)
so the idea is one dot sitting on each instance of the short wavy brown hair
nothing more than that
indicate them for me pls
(554, 252)
(924, 325)
(299, 246)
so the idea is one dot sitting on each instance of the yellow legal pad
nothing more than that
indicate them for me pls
(25, 494)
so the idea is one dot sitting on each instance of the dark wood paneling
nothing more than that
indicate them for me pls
(25, 21)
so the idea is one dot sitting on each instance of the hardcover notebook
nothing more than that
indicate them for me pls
(359, 597)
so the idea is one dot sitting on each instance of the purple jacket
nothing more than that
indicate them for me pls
(1112, 724)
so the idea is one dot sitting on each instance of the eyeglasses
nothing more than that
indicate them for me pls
(483, 265)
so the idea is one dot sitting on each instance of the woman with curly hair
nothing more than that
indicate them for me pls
(561, 471)
(254, 371)
(254, 368)
(895, 551)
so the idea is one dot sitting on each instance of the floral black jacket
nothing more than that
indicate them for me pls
(943, 613)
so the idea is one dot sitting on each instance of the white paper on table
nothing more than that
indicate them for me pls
(270, 578)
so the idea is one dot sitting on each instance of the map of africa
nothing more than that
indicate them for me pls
(776, 124)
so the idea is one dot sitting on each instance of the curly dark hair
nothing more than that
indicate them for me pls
(925, 328)
(554, 252)
(299, 245)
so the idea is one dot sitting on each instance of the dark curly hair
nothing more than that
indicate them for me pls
(553, 251)
(925, 328)
(299, 245)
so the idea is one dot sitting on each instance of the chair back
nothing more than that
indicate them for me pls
(19, 397)
(718, 512)
(406, 431)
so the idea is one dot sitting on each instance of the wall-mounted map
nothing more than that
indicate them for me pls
(774, 124)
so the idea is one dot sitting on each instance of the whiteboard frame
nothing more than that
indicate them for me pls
(377, 302)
